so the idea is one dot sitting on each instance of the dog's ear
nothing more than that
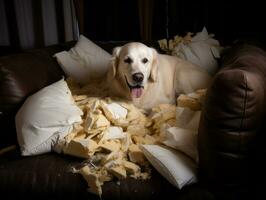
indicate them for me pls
(115, 59)
(154, 66)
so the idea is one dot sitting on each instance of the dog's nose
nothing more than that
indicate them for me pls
(138, 77)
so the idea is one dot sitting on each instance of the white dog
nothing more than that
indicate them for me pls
(147, 78)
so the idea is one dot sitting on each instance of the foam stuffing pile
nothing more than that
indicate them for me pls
(109, 138)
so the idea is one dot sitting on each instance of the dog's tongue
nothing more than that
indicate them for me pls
(136, 92)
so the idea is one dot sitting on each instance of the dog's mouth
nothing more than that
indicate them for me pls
(135, 90)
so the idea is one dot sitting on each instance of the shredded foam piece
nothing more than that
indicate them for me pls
(192, 100)
(92, 180)
(172, 43)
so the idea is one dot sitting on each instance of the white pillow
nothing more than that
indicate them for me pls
(184, 135)
(175, 166)
(187, 118)
(203, 51)
(45, 117)
(85, 61)
(184, 140)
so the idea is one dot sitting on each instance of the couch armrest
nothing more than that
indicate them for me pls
(233, 119)
(20, 76)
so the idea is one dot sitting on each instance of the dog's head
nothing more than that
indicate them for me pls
(135, 65)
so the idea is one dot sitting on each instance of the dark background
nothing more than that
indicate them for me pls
(228, 20)
(144, 20)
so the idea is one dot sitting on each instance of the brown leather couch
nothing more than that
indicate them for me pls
(232, 130)
(231, 134)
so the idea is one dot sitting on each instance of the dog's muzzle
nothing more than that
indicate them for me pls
(136, 90)
(138, 77)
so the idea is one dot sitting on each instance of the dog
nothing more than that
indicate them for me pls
(140, 74)
(147, 78)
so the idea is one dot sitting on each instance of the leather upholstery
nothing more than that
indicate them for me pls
(233, 119)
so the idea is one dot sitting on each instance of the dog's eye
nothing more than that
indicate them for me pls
(128, 60)
(145, 60)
